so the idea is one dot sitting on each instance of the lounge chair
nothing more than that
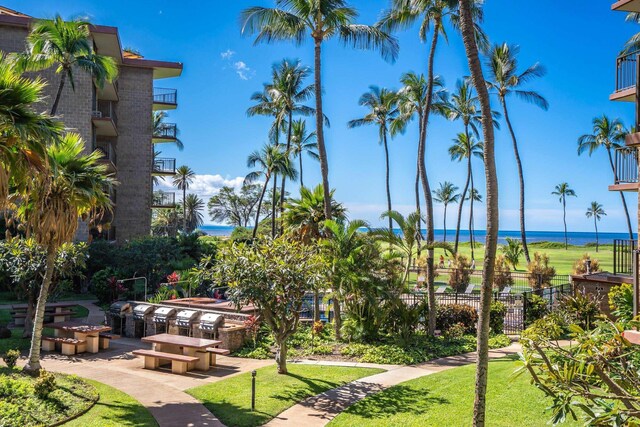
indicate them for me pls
(441, 290)
(470, 289)
(506, 291)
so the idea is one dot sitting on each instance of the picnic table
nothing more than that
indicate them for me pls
(79, 331)
(195, 350)
(58, 311)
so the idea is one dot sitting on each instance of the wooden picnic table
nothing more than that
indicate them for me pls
(187, 346)
(80, 331)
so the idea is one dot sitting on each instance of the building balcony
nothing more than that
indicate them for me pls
(626, 6)
(163, 166)
(626, 170)
(109, 91)
(623, 253)
(105, 119)
(626, 77)
(108, 155)
(163, 199)
(165, 99)
(168, 132)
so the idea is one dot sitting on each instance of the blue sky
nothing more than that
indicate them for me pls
(577, 45)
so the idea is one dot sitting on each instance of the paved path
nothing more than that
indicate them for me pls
(318, 410)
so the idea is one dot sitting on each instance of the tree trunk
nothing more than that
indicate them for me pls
(445, 223)
(460, 206)
(28, 321)
(337, 315)
(386, 156)
(322, 151)
(471, 194)
(56, 101)
(274, 190)
(300, 158)
(595, 223)
(523, 233)
(184, 207)
(33, 365)
(564, 220)
(482, 364)
(281, 356)
(284, 179)
(624, 201)
(417, 190)
(264, 190)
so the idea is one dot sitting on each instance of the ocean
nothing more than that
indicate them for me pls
(575, 238)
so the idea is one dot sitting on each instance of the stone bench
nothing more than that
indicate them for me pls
(179, 362)
(105, 339)
(69, 346)
(213, 351)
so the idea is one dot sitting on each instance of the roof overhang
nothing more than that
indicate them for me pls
(161, 69)
(626, 5)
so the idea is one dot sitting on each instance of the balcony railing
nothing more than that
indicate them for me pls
(165, 96)
(163, 200)
(106, 110)
(164, 166)
(627, 71)
(108, 152)
(168, 131)
(626, 164)
(623, 252)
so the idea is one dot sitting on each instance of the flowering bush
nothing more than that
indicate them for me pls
(173, 278)
(252, 326)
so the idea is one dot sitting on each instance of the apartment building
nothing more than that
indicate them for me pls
(116, 120)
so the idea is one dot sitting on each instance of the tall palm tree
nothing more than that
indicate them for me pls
(608, 134)
(406, 241)
(595, 211)
(192, 207)
(183, 179)
(563, 191)
(465, 147)
(446, 194)
(74, 187)
(383, 113)
(67, 45)
(159, 126)
(272, 160)
(507, 79)
(473, 196)
(303, 141)
(320, 20)
(467, 26)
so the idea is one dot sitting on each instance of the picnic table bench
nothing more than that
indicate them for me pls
(214, 351)
(197, 348)
(105, 339)
(58, 311)
(179, 362)
(69, 346)
(79, 331)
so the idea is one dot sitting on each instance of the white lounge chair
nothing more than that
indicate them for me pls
(470, 289)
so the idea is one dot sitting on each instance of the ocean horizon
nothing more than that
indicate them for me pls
(578, 238)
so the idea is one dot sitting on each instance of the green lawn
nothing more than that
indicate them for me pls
(230, 399)
(447, 398)
(10, 298)
(114, 408)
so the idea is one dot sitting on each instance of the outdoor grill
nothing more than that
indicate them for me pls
(209, 323)
(162, 316)
(118, 311)
(141, 310)
(140, 313)
(185, 319)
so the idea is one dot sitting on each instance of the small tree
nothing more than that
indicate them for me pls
(274, 275)
(460, 274)
(512, 252)
(502, 276)
(540, 273)
(580, 266)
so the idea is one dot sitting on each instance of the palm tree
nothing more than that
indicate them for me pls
(595, 211)
(633, 44)
(563, 191)
(406, 241)
(24, 133)
(512, 251)
(67, 45)
(182, 179)
(506, 79)
(610, 135)
(465, 147)
(74, 187)
(159, 126)
(467, 26)
(321, 20)
(473, 196)
(192, 207)
(303, 141)
(446, 194)
(272, 161)
(384, 113)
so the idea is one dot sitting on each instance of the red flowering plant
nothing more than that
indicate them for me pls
(173, 278)
(252, 326)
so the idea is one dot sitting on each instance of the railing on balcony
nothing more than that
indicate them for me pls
(164, 165)
(627, 71)
(108, 152)
(163, 200)
(166, 131)
(106, 110)
(623, 252)
(626, 164)
(165, 96)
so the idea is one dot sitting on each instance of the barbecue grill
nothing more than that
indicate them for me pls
(140, 313)
(162, 316)
(141, 310)
(209, 323)
(118, 310)
(185, 319)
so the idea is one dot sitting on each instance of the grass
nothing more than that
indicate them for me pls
(446, 398)
(7, 297)
(114, 409)
(230, 399)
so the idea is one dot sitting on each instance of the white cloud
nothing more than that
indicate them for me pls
(227, 54)
(244, 72)
(204, 186)
(240, 67)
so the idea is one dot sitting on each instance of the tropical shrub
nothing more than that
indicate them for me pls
(44, 385)
(621, 301)
(502, 274)
(455, 331)
(105, 286)
(540, 273)
(402, 320)
(11, 358)
(448, 315)
(581, 309)
(497, 315)
(512, 252)
(537, 308)
(460, 273)
(580, 267)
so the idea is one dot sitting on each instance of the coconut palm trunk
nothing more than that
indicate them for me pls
(322, 151)
(417, 190)
(472, 240)
(264, 190)
(564, 220)
(284, 179)
(386, 157)
(274, 192)
(462, 197)
(624, 201)
(595, 223)
(33, 364)
(56, 101)
(300, 160)
(184, 208)
(445, 222)
(523, 233)
(482, 364)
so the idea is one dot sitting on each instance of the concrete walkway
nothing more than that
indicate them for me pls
(318, 410)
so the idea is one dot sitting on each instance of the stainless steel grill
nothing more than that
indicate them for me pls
(209, 322)
(119, 309)
(186, 318)
(141, 310)
(163, 314)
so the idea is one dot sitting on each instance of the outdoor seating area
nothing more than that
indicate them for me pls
(183, 353)
(74, 337)
(54, 312)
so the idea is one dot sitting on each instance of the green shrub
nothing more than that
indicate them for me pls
(499, 341)
(390, 355)
(102, 285)
(452, 314)
(540, 271)
(460, 273)
(621, 301)
(537, 308)
(44, 385)
(502, 275)
(11, 388)
(323, 349)
(581, 309)
(354, 350)
(455, 332)
(496, 317)
(11, 358)
(253, 353)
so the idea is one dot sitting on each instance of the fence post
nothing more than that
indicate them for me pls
(524, 309)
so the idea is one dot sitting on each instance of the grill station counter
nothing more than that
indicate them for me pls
(117, 315)
(185, 319)
(209, 323)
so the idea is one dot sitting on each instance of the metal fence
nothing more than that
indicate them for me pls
(626, 71)
(165, 96)
(623, 256)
